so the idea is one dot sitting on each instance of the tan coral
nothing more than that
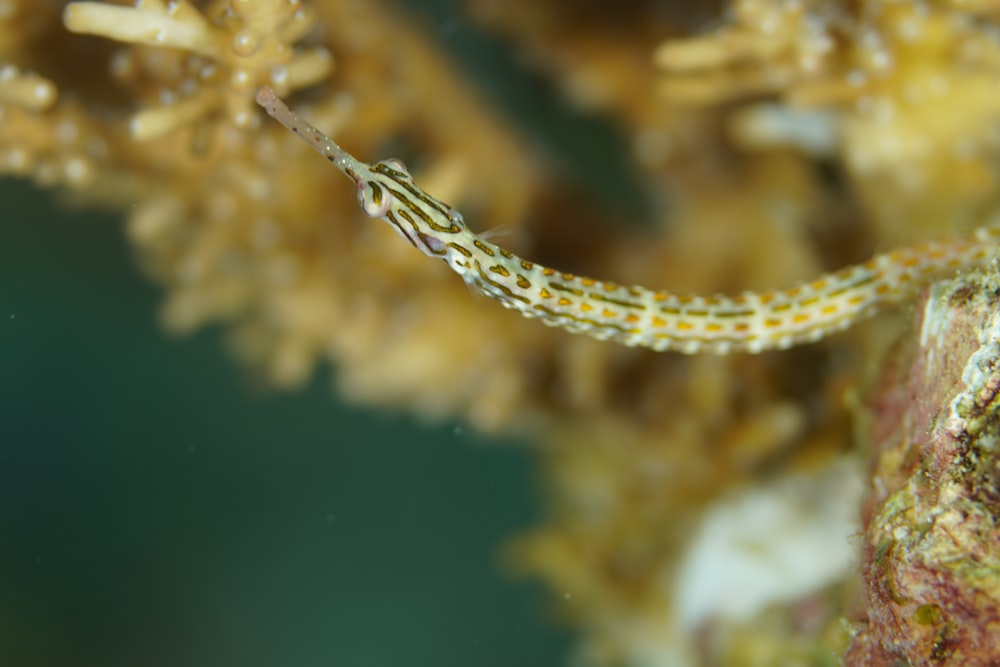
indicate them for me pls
(768, 47)
(912, 86)
(205, 61)
(53, 143)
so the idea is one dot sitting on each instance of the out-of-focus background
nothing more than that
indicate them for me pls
(158, 507)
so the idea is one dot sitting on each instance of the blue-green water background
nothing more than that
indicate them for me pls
(158, 509)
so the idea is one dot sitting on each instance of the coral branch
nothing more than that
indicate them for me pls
(26, 90)
(178, 25)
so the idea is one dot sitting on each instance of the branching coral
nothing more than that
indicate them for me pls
(204, 61)
(912, 83)
(797, 137)
(212, 221)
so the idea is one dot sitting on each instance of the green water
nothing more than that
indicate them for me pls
(158, 509)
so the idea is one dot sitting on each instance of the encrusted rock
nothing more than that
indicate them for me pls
(931, 544)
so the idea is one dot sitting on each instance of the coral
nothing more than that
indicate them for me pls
(897, 72)
(203, 62)
(793, 138)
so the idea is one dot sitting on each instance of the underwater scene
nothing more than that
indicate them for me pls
(714, 383)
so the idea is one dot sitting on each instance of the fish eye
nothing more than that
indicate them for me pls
(374, 199)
